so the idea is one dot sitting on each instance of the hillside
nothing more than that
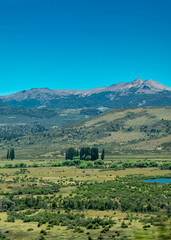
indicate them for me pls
(15, 122)
(126, 94)
(146, 128)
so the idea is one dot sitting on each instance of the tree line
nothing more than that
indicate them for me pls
(85, 153)
(10, 153)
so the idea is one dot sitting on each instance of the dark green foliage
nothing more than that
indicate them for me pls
(103, 154)
(85, 153)
(41, 238)
(35, 165)
(12, 154)
(17, 165)
(9, 132)
(44, 189)
(56, 164)
(124, 225)
(30, 229)
(66, 155)
(43, 232)
(88, 157)
(63, 219)
(113, 165)
(2, 236)
(82, 152)
(166, 165)
(142, 164)
(8, 154)
(54, 205)
(86, 164)
(98, 162)
(129, 193)
(10, 219)
(71, 162)
(94, 153)
(71, 153)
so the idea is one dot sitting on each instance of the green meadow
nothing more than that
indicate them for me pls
(67, 202)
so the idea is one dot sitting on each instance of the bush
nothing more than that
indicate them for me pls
(43, 232)
(36, 165)
(88, 157)
(166, 165)
(124, 225)
(82, 165)
(99, 162)
(30, 229)
(56, 164)
(113, 165)
(79, 230)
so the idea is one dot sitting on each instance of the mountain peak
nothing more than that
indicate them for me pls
(138, 81)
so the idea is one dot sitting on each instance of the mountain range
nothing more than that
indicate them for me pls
(47, 119)
(126, 94)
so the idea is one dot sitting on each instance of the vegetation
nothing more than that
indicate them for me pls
(138, 129)
(86, 181)
(17, 121)
(71, 153)
(96, 202)
(103, 154)
(10, 154)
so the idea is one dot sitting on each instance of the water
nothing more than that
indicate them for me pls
(159, 180)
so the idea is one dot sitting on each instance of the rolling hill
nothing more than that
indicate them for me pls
(147, 128)
(15, 122)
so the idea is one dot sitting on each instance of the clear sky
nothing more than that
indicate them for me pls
(82, 44)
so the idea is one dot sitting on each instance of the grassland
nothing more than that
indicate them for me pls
(68, 178)
(67, 202)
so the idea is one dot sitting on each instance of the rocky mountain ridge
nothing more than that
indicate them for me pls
(96, 97)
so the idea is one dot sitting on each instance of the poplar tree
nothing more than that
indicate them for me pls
(12, 154)
(94, 153)
(70, 153)
(103, 154)
(8, 154)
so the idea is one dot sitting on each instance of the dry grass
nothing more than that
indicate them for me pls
(18, 230)
(152, 144)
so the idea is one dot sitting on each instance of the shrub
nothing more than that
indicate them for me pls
(99, 162)
(30, 229)
(113, 165)
(88, 157)
(124, 225)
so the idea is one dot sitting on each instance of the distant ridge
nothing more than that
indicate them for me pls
(142, 128)
(124, 94)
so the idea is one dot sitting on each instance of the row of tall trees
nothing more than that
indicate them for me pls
(85, 153)
(10, 153)
(71, 153)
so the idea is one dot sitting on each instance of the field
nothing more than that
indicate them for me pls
(44, 195)
(63, 185)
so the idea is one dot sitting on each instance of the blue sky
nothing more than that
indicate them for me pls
(82, 44)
